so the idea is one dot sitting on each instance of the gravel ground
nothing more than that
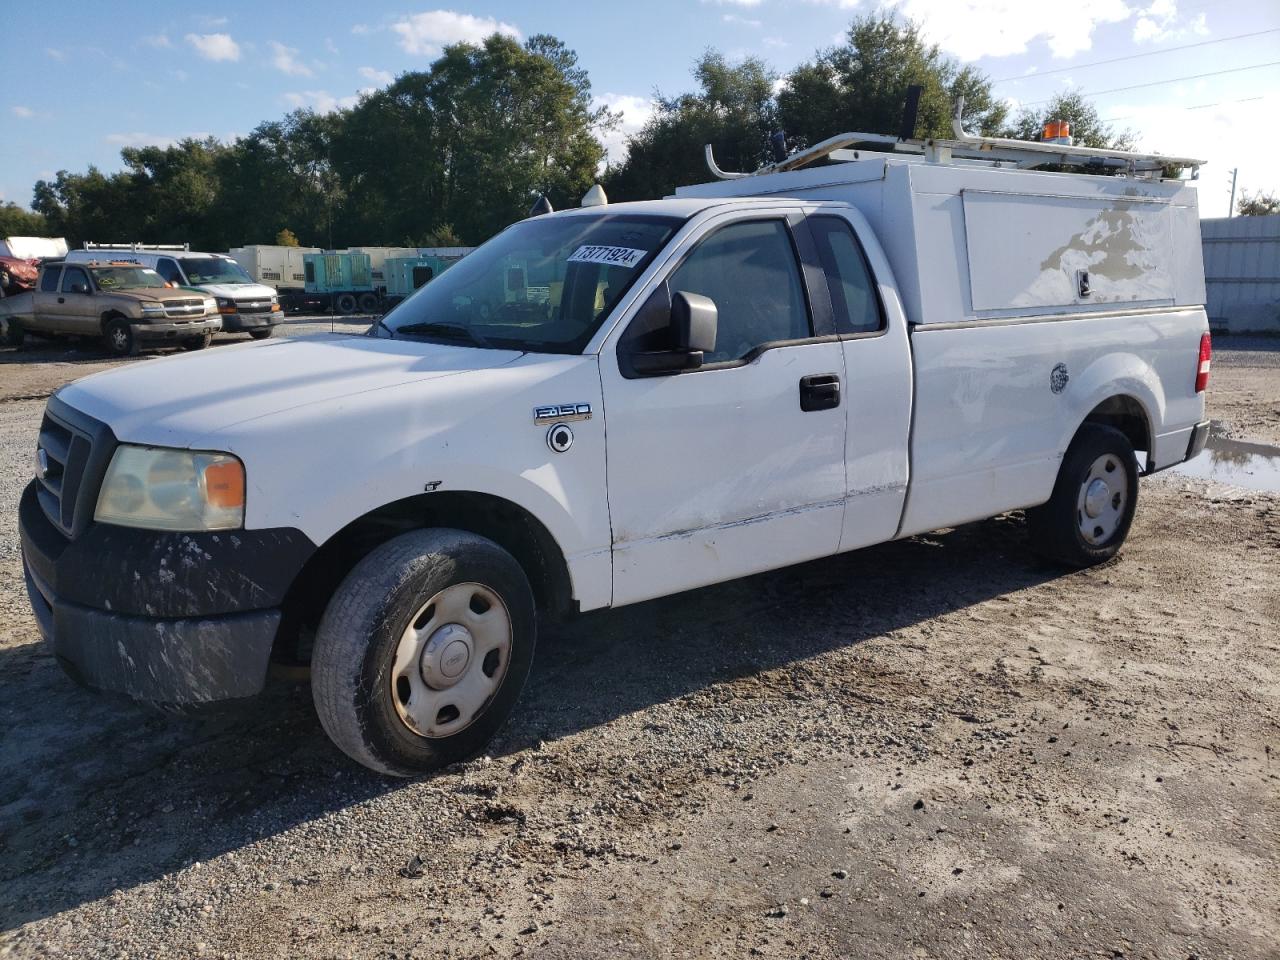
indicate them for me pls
(940, 747)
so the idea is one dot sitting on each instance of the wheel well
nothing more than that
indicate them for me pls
(109, 316)
(1126, 414)
(512, 527)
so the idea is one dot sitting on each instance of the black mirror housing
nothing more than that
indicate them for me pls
(670, 334)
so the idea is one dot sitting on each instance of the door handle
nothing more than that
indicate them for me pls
(819, 391)
(62, 299)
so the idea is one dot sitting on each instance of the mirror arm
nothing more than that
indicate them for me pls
(665, 361)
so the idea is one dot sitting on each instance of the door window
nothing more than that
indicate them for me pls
(49, 280)
(75, 280)
(750, 271)
(853, 294)
(169, 272)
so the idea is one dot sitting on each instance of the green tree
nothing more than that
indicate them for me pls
(441, 236)
(18, 222)
(733, 110)
(861, 85)
(286, 238)
(470, 142)
(1087, 128)
(1258, 204)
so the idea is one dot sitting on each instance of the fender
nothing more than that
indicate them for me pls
(1114, 375)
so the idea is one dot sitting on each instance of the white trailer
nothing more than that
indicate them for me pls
(276, 266)
(33, 248)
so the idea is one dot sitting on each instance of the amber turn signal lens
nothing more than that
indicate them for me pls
(224, 484)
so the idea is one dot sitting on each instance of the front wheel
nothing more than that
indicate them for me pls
(1088, 517)
(263, 333)
(11, 334)
(120, 339)
(198, 343)
(423, 651)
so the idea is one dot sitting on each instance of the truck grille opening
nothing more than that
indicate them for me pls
(183, 309)
(63, 452)
(253, 306)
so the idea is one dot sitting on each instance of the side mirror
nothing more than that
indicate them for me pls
(78, 288)
(669, 336)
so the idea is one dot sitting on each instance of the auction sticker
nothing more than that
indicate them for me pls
(610, 256)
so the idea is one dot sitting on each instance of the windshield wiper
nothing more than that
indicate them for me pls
(452, 331)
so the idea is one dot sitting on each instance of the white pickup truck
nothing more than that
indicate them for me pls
(610, 404)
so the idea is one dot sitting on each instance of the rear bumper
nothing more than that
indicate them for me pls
(170, 618)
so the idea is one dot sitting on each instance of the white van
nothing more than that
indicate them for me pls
(245, 306)
(774, 368)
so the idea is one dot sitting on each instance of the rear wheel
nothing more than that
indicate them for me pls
(423, 650)
(11, 334)
(345, 303)
(368, 303)
(1088, 517)
(120, 339)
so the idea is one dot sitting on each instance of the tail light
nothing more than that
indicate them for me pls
(1202, 371)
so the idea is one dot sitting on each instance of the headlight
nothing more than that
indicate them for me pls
(226, 305)
(160, 489)
(153, 309)
(275, 301)
(210, 305)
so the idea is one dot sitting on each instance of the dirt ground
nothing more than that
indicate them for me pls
(941, 747)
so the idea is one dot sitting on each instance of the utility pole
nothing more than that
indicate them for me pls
(1231, 210)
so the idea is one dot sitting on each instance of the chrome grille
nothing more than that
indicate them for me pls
(183, 309)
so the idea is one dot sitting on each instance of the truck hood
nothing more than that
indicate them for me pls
(237, 291)
(156, 293)
(175, 401)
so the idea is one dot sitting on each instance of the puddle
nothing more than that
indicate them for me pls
(1253, 466)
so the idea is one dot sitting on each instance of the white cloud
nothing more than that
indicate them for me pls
(158, 40)
(209, 22)
(734, 3)
(321, 101)
(359, 29)
(380, 77)
(55, 54)
(330, 45)
(427, 33)
(999, 28)
(214, 46)
(1160, 22)
(777, 42)
(26, 113)
(635, 111)
(285, 59)
(742, 21)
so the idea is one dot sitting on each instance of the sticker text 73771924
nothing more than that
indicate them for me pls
(610, 256)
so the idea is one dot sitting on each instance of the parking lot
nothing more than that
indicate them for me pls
(938, 747)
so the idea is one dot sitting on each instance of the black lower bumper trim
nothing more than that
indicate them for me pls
(1199, 437)
(176, 662)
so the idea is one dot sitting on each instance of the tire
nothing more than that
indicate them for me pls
(198, 343)
(11, 333)
(345, 303)
(1094, 499)
(368, 303)
(119, 338)
(375, 679)
(262, 334)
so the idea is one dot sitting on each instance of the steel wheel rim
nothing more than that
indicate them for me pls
(119, 339)
(1103, 498)
(450, 660)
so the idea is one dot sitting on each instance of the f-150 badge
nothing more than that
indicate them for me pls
(559, 412)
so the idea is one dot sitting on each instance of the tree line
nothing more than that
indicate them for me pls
(454, 153)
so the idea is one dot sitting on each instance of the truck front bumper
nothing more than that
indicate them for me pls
(176, 331)
(168, 618)
(231, 322)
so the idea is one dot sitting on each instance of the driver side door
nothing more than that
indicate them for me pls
(738, 465)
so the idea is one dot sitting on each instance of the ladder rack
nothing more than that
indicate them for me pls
(140, 247)
(998, 151)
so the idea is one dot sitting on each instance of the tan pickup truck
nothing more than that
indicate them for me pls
(126, 305)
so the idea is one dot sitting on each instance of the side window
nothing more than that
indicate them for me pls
(750, 271)
(75, 280)
(853, 292)
(49, 280)
(168, 271)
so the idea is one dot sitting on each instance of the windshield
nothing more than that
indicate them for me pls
(213, 270)
(542, 285)
(120, 278)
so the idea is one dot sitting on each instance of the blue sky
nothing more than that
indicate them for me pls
(164, 72)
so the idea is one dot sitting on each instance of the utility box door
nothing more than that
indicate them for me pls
(1030, 251)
